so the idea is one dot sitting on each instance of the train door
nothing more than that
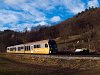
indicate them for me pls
(32, 48)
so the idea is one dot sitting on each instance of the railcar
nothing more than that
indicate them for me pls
(38, 47)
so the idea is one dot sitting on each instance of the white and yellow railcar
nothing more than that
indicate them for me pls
(39, 47)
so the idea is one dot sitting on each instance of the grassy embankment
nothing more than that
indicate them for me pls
(22, 65)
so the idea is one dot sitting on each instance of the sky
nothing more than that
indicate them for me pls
(19, 14)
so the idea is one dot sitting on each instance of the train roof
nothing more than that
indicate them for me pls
(36, 42)
(42, 41)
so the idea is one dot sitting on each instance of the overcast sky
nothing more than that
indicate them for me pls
(18, 14)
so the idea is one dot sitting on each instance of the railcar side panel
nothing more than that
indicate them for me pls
(41, 51)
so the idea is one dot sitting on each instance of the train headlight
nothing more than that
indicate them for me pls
(50, 51)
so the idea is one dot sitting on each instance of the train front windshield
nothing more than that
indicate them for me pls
(53, 46)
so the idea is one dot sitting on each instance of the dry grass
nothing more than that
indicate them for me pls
(12, 67)
(25, 66)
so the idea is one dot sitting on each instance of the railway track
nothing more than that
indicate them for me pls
(59, 56)
(66, 57)
(69, 57)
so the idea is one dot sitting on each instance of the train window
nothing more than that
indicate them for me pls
(35, 46)
(21, 47)
(29, 47)
(38, 46)
(46, 45)
(7, 48)
(11, 49)
(25, 48)
(18, 48)
(15, 48)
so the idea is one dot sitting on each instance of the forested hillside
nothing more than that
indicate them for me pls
(84, 27)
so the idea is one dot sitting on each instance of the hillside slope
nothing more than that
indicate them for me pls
(82, 22)
(86, 25)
